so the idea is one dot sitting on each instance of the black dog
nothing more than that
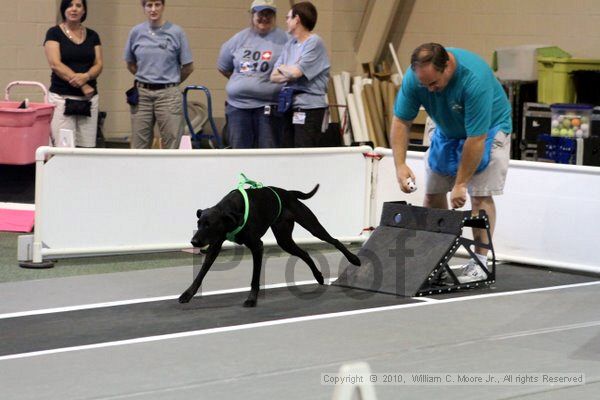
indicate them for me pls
(268, 207)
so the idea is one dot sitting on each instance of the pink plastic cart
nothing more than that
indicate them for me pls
(22, 131)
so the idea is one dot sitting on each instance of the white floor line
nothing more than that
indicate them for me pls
(149, 300)
(515, 292)
(533, 332)
(426, 299)
(283, 322)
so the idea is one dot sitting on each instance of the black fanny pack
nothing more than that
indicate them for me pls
(133, 96)
(78, 107)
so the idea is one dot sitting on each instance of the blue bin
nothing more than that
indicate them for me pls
(561, 150)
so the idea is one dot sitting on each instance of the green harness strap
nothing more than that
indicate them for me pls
(242, 189)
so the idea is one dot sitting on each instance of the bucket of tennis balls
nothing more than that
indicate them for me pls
(571, 120)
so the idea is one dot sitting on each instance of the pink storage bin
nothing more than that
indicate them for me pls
(22, 131)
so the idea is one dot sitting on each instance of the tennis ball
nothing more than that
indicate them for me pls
(555, 132)
(564, 132)
(566, 123)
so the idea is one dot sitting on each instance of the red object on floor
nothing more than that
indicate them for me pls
(16, 220)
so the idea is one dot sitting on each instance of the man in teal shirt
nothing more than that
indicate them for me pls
(470, 145)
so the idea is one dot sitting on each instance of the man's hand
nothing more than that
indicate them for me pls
(403, 172)
(471, 157)
(458, 197)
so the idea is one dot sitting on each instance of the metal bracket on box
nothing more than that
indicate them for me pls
(443, 278)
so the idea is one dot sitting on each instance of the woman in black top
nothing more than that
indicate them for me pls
(74, 53)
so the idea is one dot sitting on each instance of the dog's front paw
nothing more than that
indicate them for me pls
(185, 297)
(250, 303)
(354, 260)
(319, 277)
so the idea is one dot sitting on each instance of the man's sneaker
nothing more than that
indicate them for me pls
(456, 269)
(471, 272)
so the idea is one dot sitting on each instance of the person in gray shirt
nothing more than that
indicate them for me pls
(247, 60)
(304, 68)
(158, 54)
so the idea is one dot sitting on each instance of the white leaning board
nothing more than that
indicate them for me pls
(547, 216)
(103, 201)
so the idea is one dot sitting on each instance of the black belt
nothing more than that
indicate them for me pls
(300, 109)
(156, 86)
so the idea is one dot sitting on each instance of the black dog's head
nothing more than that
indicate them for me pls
(213, 225)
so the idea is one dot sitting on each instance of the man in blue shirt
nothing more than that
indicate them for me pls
(470, 145)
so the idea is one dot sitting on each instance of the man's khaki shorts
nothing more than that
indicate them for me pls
(489, 182)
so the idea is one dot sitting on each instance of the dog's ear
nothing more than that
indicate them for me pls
(198, 213)
(230, 219)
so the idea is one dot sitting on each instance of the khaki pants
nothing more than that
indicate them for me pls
(163, 107)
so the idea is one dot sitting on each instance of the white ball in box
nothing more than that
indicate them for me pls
(571, 120)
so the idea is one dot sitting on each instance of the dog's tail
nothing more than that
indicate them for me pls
(304, 196)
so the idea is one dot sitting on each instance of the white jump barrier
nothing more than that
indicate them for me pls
(547, 215)
(91, 202)
(104, 201)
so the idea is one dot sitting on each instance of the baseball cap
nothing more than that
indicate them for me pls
(259, 5)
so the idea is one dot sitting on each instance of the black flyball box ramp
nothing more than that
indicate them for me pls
(408, 253)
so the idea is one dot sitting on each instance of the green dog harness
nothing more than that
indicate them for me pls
(242, 189)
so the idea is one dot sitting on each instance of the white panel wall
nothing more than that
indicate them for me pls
(98, 201)
(548, 215)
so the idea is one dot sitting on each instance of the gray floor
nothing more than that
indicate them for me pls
(554, 330)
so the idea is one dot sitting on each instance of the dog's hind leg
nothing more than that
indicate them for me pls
(283, 234)
(211, 256)
(257, 256)
(305, 217)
